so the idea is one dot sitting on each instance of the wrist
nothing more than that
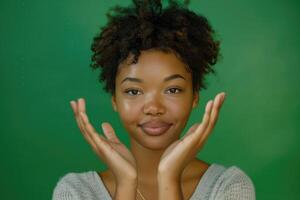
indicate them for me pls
(163, 181)
(125, 190)
(127, 183)
(167, 177)
(169, 187)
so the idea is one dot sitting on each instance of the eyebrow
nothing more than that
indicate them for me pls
(137, 80)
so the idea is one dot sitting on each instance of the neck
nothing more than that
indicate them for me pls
(147, 161)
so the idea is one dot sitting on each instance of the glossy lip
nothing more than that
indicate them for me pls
(155, 127)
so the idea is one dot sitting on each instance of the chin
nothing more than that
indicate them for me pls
(155, 145)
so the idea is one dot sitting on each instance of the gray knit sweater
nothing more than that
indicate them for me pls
(217, 183)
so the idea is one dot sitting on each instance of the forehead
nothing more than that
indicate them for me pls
(153, 64)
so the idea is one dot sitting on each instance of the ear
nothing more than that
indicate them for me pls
(195, 99)
(113, 103)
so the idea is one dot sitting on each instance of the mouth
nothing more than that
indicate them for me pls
(155, 128)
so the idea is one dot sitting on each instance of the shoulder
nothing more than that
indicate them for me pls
(234, 184)
(76, 186)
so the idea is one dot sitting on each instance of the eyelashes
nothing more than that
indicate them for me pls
(174, 90)
(135, 92)
(132, 92)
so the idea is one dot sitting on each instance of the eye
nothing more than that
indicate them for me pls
(174, 90)
(132, 92)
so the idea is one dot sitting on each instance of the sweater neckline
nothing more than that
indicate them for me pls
(202, 189)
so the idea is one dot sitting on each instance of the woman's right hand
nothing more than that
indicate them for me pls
(110, 150)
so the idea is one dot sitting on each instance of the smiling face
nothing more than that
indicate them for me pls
(154, 98)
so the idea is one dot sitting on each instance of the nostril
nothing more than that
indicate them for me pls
(152, 110)
(154, 107)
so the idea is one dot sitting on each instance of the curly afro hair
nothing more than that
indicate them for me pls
(147, 25)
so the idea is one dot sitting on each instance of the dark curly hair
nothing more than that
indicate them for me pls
(147, 25)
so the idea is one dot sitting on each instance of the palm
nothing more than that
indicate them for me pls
(177, 149)
(123, 151)
(180, 152)
(108, 148)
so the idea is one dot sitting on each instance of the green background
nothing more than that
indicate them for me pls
(44, 63)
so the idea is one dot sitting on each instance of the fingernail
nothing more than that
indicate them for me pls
(72, 102)
(208, 106)
(103, 125)
(223, 96)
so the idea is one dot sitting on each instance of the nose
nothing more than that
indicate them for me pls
(154, 105)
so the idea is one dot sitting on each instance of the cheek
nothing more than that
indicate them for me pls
(180, 109)
(129, 112)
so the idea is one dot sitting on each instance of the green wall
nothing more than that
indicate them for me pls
(44, 63)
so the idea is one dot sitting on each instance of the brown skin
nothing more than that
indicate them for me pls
(157, 165)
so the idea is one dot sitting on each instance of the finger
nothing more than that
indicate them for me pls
(199, 129)
(83, 121)
(98, 142)
(95, 139)
(86, 124)
(79, 107)
(109, 132)
(191, 130)
(77, 117)
(73, 106)
(218, 101)
(216, 109)
(205, 120)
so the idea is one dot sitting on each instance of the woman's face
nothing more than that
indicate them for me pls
(154, 98)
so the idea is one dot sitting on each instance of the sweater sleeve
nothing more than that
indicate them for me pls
(63, 190)
(80, 186)
(234, 184)
(240, 187)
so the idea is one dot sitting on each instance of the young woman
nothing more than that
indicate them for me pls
(153, 64)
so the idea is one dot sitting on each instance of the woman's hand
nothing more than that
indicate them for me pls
(181, 152)
(110, 150)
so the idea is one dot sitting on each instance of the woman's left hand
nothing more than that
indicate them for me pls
(181, 152)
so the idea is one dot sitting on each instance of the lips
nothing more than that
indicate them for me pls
(155, 127)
